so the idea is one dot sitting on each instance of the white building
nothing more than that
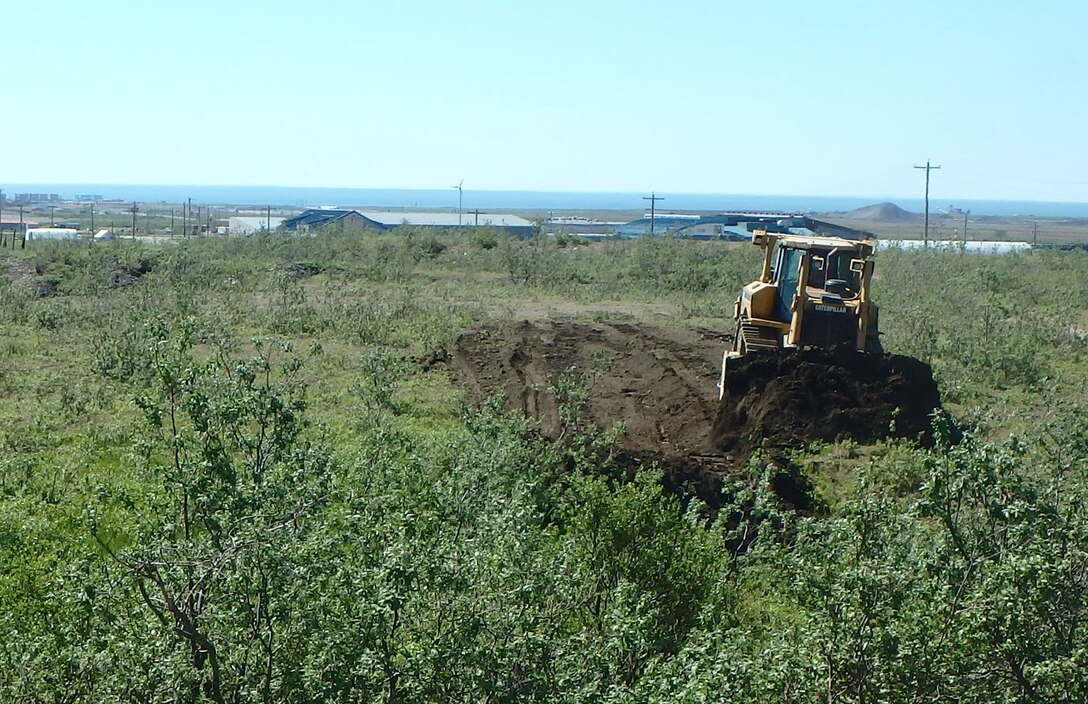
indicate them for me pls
(51, 233)
(385, 220)
(252, 225)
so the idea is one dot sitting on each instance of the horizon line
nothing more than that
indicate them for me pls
(878, 199)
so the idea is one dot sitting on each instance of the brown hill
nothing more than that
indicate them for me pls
(881, 212)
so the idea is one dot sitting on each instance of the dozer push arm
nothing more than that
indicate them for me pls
(868, 315)
(761, 238)
(798, 303)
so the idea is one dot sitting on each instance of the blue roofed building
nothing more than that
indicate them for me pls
(663, 224)
(319, 218)
(388, 219)
(734, 226)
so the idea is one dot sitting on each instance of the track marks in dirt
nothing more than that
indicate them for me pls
(660, 382)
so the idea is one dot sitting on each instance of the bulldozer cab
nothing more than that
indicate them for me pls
(829, 265)
(813, 290)
(833, 269)
(837, 271)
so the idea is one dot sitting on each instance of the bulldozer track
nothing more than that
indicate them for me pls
(758, 338)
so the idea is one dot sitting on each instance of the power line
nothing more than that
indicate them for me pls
(928, 168)
(653, 198)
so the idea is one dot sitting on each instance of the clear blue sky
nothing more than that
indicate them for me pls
(726, 96)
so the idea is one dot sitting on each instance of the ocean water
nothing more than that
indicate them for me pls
(525, 200)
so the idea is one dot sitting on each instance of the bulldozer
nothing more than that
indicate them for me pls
(813, 290)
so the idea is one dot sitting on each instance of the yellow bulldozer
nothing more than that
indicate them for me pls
(813, 290)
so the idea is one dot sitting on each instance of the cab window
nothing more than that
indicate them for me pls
(838, 267)
(788, 276)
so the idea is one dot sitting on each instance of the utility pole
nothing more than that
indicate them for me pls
(51, 208)
(133, 220)
(1035, 234)
(22, 228)
(928, 168)
(460, 194)
(965, 214)
(268, 218)
(188, 217)
(171, 222)
(92, 219)
(477, 214)
(653, 198)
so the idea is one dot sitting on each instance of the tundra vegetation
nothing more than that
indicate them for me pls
(232, 472)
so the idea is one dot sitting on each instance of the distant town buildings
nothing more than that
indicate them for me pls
(36, 198)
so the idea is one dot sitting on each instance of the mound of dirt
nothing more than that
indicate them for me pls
(661, 383)
(124, 273)
(789, 399)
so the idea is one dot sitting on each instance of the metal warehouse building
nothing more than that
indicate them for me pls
(316, 219)
(252, 225)
(320, 218)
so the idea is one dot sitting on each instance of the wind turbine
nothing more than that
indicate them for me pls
(460, 194)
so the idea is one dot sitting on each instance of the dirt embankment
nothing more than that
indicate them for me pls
(662, 384)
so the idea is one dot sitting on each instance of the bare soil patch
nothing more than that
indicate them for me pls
(659, 381)
(25, 277)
